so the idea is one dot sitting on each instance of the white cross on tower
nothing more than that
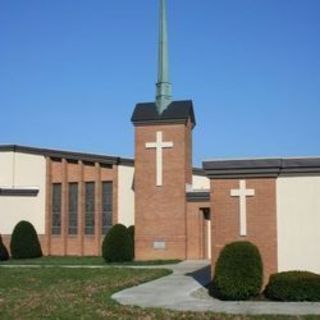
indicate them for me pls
(243, 193)
(159, 145)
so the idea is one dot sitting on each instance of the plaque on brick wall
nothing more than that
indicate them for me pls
(159, 245)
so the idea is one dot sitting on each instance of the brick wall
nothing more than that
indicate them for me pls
(65, 172)
(160, 212)
(261, 219)
(197, 235)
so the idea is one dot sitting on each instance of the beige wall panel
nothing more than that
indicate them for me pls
(298, 215)
(126, 195)
(26, 171)
(200, 182)
(6, 169)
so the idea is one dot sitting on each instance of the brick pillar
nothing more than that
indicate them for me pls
(48, 214)
(64, 211)
(98, 208)
(202, 237)
(81, 208)
(115, 185)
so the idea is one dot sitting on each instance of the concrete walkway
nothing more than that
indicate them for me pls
(184, 291)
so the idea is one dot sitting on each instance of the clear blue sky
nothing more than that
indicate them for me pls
(71, 72)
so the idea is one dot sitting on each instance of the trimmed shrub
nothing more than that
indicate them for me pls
(4, 254)
(238, 272)
(131, 231)
(24, 242)
(117, 245)
(293, 286)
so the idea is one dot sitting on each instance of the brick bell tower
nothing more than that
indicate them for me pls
(163, 166)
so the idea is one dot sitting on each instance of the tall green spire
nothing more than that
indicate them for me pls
(164, 95)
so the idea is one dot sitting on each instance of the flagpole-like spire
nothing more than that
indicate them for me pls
(164, 88)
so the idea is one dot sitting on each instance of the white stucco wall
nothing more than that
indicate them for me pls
(298, 215)
(22, 170)
(200, 183)
(126, 195)
(6, 169)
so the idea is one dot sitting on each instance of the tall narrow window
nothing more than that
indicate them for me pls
(73, 208)
(89, 203)
(106, 206)
(56, 208)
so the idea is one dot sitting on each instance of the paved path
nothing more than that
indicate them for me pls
(183, 291)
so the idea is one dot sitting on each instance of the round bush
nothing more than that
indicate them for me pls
(238, 272)
(131, 231)
(24, 242)
(4, 254)
(293, 286)
(117, 245)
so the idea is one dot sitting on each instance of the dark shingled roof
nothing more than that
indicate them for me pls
(229, 169)
(177, 111)
(69, 155)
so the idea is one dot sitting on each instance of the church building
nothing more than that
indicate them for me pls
(71, 198)
(179, 212)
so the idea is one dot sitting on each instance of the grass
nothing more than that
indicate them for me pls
(82, 261)
(67, 294)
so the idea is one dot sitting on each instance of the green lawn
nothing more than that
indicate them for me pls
(82, 261)
(59, 293)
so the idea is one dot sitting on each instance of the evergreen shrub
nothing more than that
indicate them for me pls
(293, 286)
(238, 272)
(25, 243)
(117, 245)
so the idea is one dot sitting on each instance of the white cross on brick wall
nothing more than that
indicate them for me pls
(159, 145)
(243, 193)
